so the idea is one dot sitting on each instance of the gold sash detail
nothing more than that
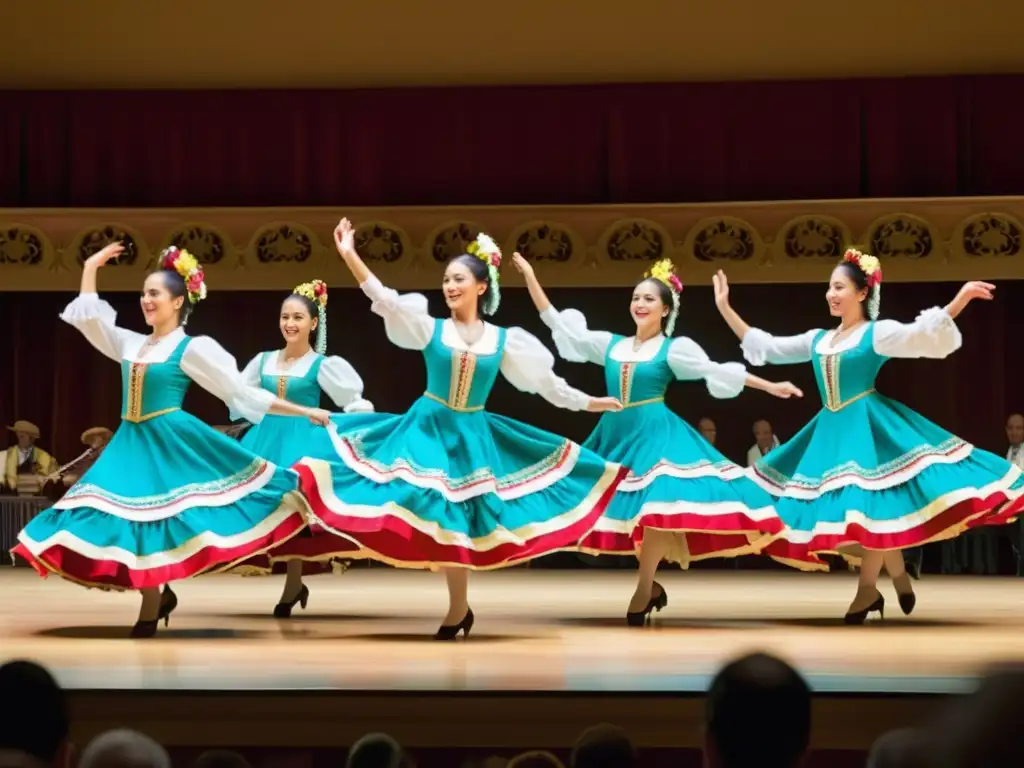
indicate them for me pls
(458, 408)
(133, 419)
(648, 401)
(839, 406)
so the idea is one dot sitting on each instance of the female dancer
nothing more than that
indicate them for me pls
(169, 497)
(867, 474)
(447, 484)
(682, 500)
(298, 373)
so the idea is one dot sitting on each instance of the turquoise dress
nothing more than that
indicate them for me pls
(447, 483)
(867, 472)
(677, 481)
(169, 497)
(284, 440)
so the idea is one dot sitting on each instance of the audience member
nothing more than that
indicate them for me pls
(377, 750)
(123, 748)
(603, 746)
(903, 748)
(708, 429)
(36, 720)
(535, 759)
(983, 729)
(758, 715)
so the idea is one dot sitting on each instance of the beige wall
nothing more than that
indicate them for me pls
(325, 43)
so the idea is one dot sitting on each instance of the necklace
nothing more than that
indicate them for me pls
(469, 339)
(841, 333)
(151, 342)
(638, 342)
(284, 362)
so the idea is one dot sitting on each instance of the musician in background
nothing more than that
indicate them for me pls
(96, 439)
(26, 465)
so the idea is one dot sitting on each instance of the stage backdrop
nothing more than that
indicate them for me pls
(53, 377)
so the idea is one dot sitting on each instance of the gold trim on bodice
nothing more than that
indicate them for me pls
(626, 382)
(839, 406)
(136, 379)
(463, 368)
(830, 376)
(648, 401)
(138, 419)
(447, 404)
(136, 385)
(282, 387)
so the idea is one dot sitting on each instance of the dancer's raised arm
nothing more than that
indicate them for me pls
(407, 320)
(760, 347)
(934, 334)
(95, 318)
(573, 340)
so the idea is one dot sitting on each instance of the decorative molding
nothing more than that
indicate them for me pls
(573, 246)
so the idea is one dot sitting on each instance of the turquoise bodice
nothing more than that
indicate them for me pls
(847, 376)
(460, 379)
(153, 389)
(638, 383)
(301, 390)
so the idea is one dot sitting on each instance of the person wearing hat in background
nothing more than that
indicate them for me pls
(96, 438)
(27, 465)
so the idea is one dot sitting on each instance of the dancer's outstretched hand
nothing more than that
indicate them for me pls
(101, 257)
(977, 290)
(785, 390)
(525, 268)
(344, 237)
(319, 416)
(602, 404)
(721, 285)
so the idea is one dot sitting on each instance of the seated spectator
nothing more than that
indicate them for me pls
(603, 746)
(123, 748)
(36, 720)
(535, 759)
(758, 715)
(377, 750)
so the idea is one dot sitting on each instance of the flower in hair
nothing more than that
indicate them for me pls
(187, 266)
(869, 265)
(315, 291)
(485, 249)
(665, 272)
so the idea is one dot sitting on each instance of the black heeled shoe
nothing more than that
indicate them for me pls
(283, 610)
(856, 618)
(451, 631)
(146, 629)
(640, 618)
(907, 601)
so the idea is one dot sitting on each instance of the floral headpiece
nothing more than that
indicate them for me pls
(485, 249)
(316, 291)
(868, 264)
(664, 271)
(186, 265)
(872, 269)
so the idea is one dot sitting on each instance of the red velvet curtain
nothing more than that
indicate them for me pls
(517, 145)
(54, 378)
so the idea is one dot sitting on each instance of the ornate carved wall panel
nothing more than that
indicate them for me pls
(771, 242)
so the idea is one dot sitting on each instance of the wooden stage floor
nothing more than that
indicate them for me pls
(368, 630)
